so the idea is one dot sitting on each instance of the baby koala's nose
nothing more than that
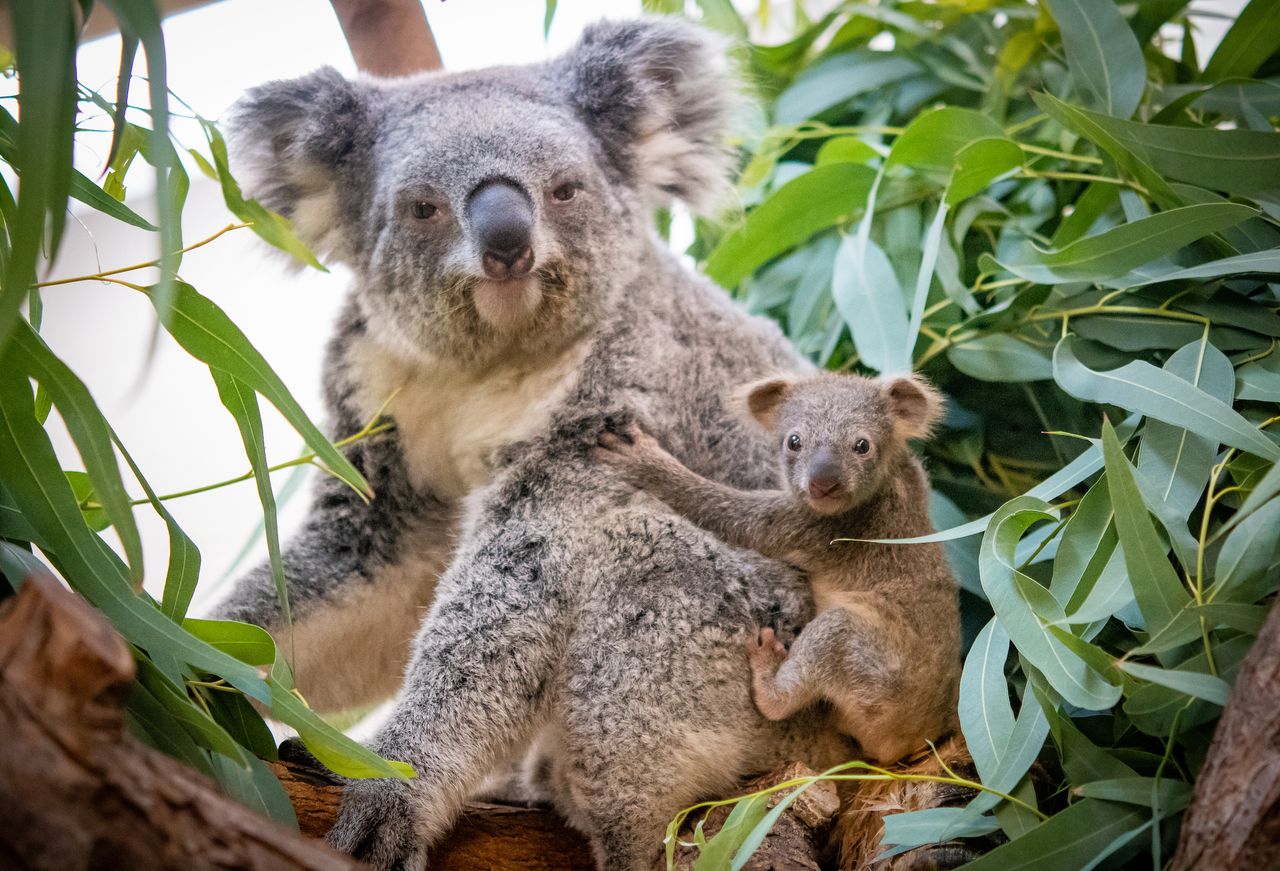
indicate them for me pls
(822, 487)
(824, 475)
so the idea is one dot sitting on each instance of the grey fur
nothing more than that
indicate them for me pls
(567, 612)
(885, 647)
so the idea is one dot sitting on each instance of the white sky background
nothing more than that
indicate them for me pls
(172, 421)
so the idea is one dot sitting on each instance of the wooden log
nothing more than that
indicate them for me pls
(487, 836)
(1234, 819)
(80, 792)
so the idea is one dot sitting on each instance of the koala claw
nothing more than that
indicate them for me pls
(766, 652)
(376, 825)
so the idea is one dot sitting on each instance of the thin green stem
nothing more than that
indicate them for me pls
(149, 264)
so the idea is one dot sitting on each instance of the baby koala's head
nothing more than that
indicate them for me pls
(840, 435)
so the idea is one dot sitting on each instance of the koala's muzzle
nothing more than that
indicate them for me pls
(501, 216)
(824, 474)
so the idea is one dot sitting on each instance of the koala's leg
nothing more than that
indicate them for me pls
(857, 659)
(473, 694)
(359, 576)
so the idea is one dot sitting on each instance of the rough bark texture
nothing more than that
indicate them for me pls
(78, 791)
(1234, 820)
(488, 836)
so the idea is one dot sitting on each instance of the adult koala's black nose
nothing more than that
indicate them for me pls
(501, 216)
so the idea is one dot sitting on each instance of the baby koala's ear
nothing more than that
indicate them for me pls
(915, 405)
(763, 399)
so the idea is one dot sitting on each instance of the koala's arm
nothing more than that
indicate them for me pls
(766, 521)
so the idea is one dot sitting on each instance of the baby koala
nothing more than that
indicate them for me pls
(884, 648)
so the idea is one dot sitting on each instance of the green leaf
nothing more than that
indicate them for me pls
(719, 850)
(986, 718)
(1176, 461)
(205, 332)
(233, 713)
(1156, 587)
(1201, 686)
(869, 298)
(248, 643)
(1260, 380)
(242, 402)
(17, 564)
(1102, 53)
(824, 196)
(1242, 162)
(272, 228)
(1264, 262)
(335, 750)
(1088, 572)
(934, 825)
(1000, 357)
(1254, 36)
(1078, 837)
(91, 195)
(1173, 795)
(1026, 609)
(156, 726)
(255, 786)
(980, 164)
(1140, 387)
(1248, 552)
(757, 835)
(128, 52)
(934, 139)
(1099, 129)
(838, 79)
(199, 725)
(45, 61)
(141, 19)
(1122, 249)
(89, 430)
(32, 476)
(548, 17)
(183, 572)
(845, 149)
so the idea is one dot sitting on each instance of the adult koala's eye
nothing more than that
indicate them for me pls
(861, 446)
(424, 211)
(565, 192)
(793, 441)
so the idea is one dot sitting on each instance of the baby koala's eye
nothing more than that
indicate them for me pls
(424, 211)
(793, 441)
(565, 192)
(861, 446)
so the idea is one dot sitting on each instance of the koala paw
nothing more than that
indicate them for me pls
(627, 444)
(377, 825)
(765, 652)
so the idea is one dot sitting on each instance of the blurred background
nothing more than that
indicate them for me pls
(167, 412)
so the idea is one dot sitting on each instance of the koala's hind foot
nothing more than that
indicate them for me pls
(767, 653)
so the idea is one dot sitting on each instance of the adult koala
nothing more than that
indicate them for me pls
(510, 294)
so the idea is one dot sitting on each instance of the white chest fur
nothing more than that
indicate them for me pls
(451, 421)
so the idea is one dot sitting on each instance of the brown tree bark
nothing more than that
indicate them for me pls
(78, 790)
(1234, 820)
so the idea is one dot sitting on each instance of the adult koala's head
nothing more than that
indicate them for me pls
(494, 212)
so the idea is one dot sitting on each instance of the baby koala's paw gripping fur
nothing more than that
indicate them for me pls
(627, 446)
(376, 824)
(767, 653)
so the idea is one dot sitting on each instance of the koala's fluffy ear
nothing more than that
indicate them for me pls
(763, 400)
(915, 405)
(659, 94)
(294, 144)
